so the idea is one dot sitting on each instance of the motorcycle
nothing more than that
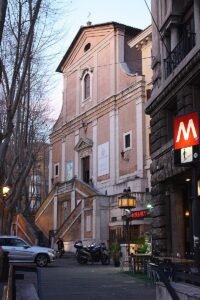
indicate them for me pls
(92, 253)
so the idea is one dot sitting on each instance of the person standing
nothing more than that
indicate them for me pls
(60, 245)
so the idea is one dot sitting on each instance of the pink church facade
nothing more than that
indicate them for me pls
(99, 144)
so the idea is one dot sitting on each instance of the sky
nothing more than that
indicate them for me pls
(129, 12)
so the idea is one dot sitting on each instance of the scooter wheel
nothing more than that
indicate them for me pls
(81, 260)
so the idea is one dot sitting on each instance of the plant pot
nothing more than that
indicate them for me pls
(116, 260)
(116, 263)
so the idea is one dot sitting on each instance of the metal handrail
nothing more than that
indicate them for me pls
(163, 278)
(179, 52)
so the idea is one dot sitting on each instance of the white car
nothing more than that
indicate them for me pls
(20, 251)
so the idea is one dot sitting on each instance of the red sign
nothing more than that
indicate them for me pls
(186, 131)
(139, 214)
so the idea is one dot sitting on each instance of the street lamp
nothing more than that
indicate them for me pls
(127, 202)
(4, 192)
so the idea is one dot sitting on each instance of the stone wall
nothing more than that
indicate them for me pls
(184, 291)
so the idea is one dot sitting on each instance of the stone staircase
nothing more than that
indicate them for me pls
(69, 222)
(70, 228)
(41, 238)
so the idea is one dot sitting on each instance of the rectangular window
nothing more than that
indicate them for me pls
(56, 170)
(88, 223)
(128, 140)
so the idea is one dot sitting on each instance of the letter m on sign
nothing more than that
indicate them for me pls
(186, 131)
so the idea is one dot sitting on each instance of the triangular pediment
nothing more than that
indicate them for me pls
(92, 35)
(83, 144)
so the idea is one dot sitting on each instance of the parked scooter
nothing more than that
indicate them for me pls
(93, 253)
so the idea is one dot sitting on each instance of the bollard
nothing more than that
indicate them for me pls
(1, 263)
(5, 266)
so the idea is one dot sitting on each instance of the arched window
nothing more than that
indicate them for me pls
(86, 86)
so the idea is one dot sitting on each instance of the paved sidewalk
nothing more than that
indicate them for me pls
(65, 279)
(69, 280)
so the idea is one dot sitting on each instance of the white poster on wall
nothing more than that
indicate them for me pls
(103, 159)
(69, 170)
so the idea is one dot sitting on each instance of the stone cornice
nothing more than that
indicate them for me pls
(141, 37)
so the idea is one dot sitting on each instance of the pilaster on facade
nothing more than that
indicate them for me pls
(82, 221)
(112, 116)
(64, 114)
(94, 152)
(140, 140)
(119, 56)
(78, 91)
(73, 200)
(55, 212)
(94, 220)
(63, 160)
(95, 81)
(50, 167)
(113, 67)
(117, 144)
(76, 157)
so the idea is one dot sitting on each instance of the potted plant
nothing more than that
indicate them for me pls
(141, 245)
(115, 253)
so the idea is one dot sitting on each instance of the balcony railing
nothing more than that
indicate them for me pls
(179, 52)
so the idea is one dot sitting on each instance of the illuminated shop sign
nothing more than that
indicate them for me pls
(139, 214)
